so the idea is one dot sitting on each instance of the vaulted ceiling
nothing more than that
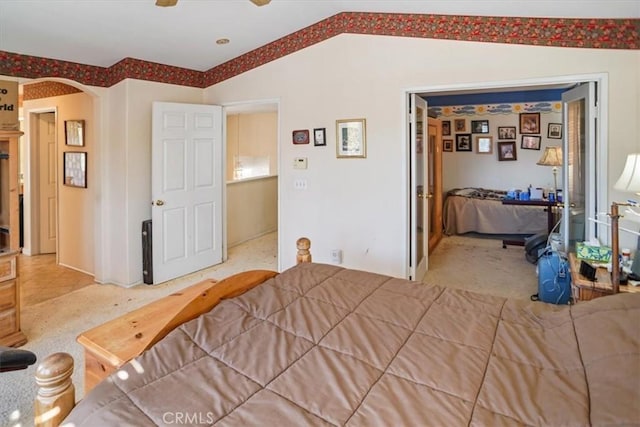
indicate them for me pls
(102, 32)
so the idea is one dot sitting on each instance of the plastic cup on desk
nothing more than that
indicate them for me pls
(552, 197)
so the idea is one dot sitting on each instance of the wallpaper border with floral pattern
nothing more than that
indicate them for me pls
(558, 32)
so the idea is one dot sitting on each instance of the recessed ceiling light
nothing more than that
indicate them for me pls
(222, 41)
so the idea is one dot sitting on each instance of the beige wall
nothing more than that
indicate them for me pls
(357, 205)
(75, 205)
(468, 169)
(360, 205)
(252, 209)
(128, 174)
(252, 134)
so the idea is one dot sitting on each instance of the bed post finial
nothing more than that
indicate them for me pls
(56, 394)
(303, 244)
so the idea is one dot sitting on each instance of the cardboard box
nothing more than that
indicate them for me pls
(9, 105)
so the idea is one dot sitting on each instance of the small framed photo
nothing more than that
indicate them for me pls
(484, 144)
(74, 133)
(351, 138)
(447, 145)
(507, 132)
(460, 125)
(529, 123)
(75, 169)
(300, 136)
(463, 142)
(530, 142)
(319, 137)
(507, 150)
(479, 126)
(554, 131)
(446, 127)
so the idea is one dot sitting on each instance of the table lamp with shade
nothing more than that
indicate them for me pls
(629, 181)
(552, 156)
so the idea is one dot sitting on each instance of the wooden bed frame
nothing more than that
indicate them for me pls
(112, 344)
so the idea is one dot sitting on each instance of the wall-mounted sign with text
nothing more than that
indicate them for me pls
(9, 106)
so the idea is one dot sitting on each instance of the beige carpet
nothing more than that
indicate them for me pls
(481, 265)
(52, 326)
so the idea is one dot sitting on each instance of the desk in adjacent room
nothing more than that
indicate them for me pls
(549, 208)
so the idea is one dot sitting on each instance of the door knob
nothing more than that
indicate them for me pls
(158, 202)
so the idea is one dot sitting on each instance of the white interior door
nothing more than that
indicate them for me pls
(187, 185)
(419, 192)
(579, 169)
(47, 203)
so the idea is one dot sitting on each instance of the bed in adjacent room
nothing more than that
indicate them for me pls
(323, 345)
(481, 210)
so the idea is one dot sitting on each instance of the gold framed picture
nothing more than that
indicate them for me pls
(351, 138)
(484, 144)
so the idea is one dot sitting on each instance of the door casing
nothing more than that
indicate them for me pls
(602, 81)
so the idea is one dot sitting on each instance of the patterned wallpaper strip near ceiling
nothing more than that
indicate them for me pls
(488, 109)
(47, 90)
(581, 33)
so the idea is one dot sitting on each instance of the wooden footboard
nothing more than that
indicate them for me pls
(112, 344)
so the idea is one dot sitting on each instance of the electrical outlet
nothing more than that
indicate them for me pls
(336, 256)
(300, 184)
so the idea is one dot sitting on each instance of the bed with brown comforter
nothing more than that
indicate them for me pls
(323, 345)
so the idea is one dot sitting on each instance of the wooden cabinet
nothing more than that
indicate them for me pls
(584, 289)
(9, 192)
(10, 334)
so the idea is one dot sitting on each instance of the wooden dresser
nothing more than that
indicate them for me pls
(10, 334)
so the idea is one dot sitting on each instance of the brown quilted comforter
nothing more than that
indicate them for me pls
(322, 345)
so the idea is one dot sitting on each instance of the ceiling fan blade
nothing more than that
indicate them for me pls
(260, 2)
(166, 3)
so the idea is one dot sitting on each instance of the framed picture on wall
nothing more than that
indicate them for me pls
(446, 127)
(507, 150)
(460, 125)
(554, 131)
(75, 169)
(463, 142)
(351, 138)
(479, 126)
(484, 144)
(319, 137)
(530, 142)
(506, 132)
(300, 136)
(74, 133)
(529, 123)
(447, 145)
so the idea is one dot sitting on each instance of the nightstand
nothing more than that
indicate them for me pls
(584, 289)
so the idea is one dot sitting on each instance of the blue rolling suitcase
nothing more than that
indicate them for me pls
(554, 279)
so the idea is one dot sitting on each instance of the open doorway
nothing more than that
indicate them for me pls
(58, 220)
(251, 173)
(460, 141)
